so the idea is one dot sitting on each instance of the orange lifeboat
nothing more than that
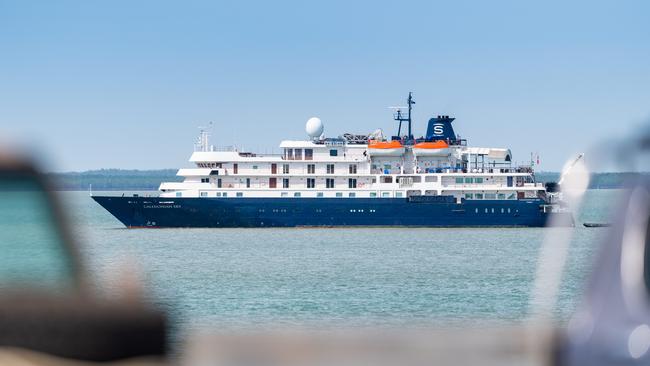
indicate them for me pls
(433, 148)
(385, 148)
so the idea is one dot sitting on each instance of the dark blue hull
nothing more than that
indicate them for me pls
(293, 212)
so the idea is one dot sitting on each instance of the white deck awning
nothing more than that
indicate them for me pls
(490, 152)
(196, 172)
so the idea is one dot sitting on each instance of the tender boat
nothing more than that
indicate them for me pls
(385, 148)
(433, 148)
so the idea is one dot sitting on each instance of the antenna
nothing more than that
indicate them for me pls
(398, 116)
(202, 142)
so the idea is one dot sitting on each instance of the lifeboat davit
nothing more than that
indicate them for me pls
(385, 148)
(433, 148)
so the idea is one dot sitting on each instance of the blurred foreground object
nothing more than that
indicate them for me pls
(612, 325)
(378, 347)
(45, 303)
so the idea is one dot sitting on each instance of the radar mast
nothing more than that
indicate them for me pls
(398, 116)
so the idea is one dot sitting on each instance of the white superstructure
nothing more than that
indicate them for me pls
(355, 167)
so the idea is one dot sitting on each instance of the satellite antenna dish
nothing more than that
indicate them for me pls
(314, 127)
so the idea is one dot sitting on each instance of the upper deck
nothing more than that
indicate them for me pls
(352, 165)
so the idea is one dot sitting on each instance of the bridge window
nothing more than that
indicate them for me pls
(334, 152)
(309, 154)
(297, 154)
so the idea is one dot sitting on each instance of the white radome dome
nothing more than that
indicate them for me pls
(314, 127)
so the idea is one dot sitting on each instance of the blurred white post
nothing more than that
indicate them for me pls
(553, 253)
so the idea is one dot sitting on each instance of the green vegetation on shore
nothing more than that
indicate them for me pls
(113, 179)
(144, 180)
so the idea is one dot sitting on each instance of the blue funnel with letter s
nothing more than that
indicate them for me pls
(439, 128)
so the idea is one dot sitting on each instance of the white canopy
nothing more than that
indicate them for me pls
(490, 152)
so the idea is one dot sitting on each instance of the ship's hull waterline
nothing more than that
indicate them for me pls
(156, 212)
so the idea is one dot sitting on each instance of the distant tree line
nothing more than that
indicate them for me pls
(113, 179)
(145, 180)
(597, 180)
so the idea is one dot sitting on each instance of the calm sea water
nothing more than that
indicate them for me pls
(244, 278)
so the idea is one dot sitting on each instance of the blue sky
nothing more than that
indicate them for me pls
(124, 84)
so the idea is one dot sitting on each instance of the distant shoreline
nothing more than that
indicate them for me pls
(149, 180)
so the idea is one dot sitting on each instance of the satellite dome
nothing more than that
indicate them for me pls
(314, 127)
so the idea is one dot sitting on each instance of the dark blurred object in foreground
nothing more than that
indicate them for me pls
(45, 302)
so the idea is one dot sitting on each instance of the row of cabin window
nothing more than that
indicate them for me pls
(296, 154)
(311, 168)
(218, 194)
(311, 183)
(318, 194)
(350, 194)
(503, 210)
(490, 196)
(297, 194)
(462, 180)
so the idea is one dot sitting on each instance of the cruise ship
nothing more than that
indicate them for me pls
(436, 180)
